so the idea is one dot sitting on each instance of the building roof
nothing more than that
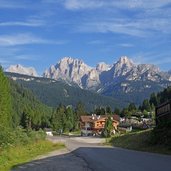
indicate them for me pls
(116, 117)
(92, 118)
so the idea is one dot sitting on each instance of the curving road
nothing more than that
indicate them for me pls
(85, 154)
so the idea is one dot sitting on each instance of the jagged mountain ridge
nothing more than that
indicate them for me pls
(123, 80)
(76, 71)
(68, 69)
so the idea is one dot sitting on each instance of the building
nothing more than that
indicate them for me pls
(94, 124)
(163, 112)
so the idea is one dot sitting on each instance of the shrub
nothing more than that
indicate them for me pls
(20, 136)
(107, 131)
(5, 138)
(36, 135)
(162, 134)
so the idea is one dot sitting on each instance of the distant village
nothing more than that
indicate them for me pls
(94, 124)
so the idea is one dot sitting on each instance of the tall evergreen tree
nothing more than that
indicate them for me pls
(108, 127)
(80, 109)
(108, 110)
(5, 102)
(99, 111)
(117, 111)
(154, 100)
(146, 105)
(59, 119)
(132, 107)
(70, 119)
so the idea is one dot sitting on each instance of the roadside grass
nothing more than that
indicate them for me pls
(13, 156)
(139, 140)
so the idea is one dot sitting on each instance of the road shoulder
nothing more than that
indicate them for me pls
(61, 160)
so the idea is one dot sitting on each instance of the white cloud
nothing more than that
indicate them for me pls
(25, 57)
(112, 26)
(126, 45)
(152, 57)
(148, 17)
(12, 4)
(82, 4)
(7, 59)
(141, 4)
(96, 42)
(23, 39)
(145, 27)
(29, 23)
(19, 39)
(4, 62)
(92, 4)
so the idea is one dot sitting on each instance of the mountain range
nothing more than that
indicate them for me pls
(76, 71)
(124, 80)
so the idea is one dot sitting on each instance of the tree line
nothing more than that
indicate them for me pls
(146, 109)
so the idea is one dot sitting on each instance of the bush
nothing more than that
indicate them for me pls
(107, 131)
(36, 135)
(20, 136)
(6, 138)
(162, 134)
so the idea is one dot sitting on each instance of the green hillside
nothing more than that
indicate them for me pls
(53, 93)
(134, 91)
(27, 110)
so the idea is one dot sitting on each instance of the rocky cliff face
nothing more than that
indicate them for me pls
(76, 71)
(122, 67)
(22, 70)
(102, 67)
(69, 69)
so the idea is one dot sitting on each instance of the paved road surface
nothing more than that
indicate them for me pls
(86, 154)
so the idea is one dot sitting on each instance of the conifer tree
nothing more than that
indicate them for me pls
(5, 102)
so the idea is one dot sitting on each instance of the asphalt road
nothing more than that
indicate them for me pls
(115, 159)
(100, 158)
(86, 154)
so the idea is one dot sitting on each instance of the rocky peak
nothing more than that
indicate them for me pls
(22, 70)
(102, 67)
(122, 66)
(68, 60)
(92, 80)
(124, 60)
(69, 69)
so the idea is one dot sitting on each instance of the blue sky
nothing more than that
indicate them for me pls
(39, 33)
